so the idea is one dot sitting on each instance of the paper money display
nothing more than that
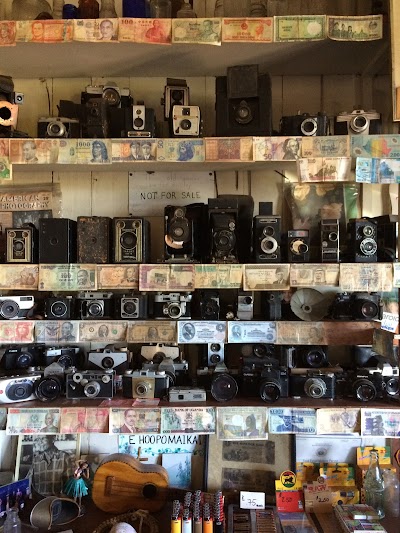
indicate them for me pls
(19, 277)
(152, 31)
(329, 146)
(121, 149)
(117, 277)
(218, 276)
(151, 331)
(300, 28)
(396, 275)
(242, 423)
(324, 169)
(67, 152)
(268, 277)
(312, 275)
(375, 170)
(197, 31)
(19, 331)
(84, 420)
(7, 32)
(201, 331)
(96, 30)
(5, 168)
(164, 277)
(296, 420)
(380, 423)
(54, 331)
(229, 148)
(368, 28)
(180, 150)
(277, 148)
(248, 30)
(94, 152)
(199, 420)
(44, 31)
(368, 277)
(381, 146)
(135, 420)
(335, 420)
(32, 421)
(97, 331)
(33, 151)
(67, 277)
(300, 333)
(240, 331)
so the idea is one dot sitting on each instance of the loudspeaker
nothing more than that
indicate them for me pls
(94, 239)
(57, 240)
(131, 240)
(267, 239)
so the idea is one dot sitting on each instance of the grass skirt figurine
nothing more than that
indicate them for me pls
(76, 486)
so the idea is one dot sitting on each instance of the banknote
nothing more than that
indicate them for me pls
(34, 420)
(94, 152)
(198, 31)
(180, 150)
(200, 420)
(250, 331)
(117, 277)
(396, 275)
(97, 331)
(44, 31)
(367, 277)
(381, 146)
(67, 152)
(242, 423)
(218, 276)
(380, 423)
(127, 30)
(312, 275)
(17, 331)
(324, 169)
(277, 148)
(300, 28)
(67, 277)
(330, 146)
(367, 28)
(7, 32)
(122, 150)
(335, 420)
(300, 333)
(202, 331)
(271, 277)
(19, 277)
(248, 30)
(229, 148)
(33, 151)
(151, 331)
(5, 168)
(375, 170)
(166, 277)
(135, 420)
(96, 30)
(84, 420)
(152, 31)
(53, 331)
(295, 420)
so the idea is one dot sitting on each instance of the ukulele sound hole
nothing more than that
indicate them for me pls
(149, 491)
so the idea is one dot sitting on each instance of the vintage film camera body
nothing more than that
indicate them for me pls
(66, 356)
(22, 357)
(176, 93)
(356, 306)
(245, 305)
(60, 308)
(267, 239)
(184, 228)
(141, 122)
(209, 305)
(93, 240)
(185, 121)
(370, 383)
(309, 357)
(358, 122)
(362, 246)
(173, 305)
(109, 358)
(94, 305)
(109, 92)
(387, 235)
(52, 383)
(22, 244)
(90, 384)
(215, 354)
(96, 119)
(165, 358)
(145, 384)
(305, 125)
(132, 307)
(223, 221)
(57, 240)
(329, 230)
(312, 383)
(58, 127)
(15, 307)
(298, 246)
(131, 240)
(18, 388)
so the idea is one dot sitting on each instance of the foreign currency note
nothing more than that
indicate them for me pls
(67, 277)
(117, 277)
(5, 168)
(396, 275)
(324, 169)
(8, 31)
(97, 331)
(335, 420)
(152, 331)
(217, 276)
(135, 420)
(201, 331)
(251, 331)
(166, 277)
(153, 31)
(197, 31)
(300, 28)
(44, 31)
(300, 333)
(380, 423)
(121, 150)
(312, 275)
(19, 277)
(271, 277)
(366, 28)
(242, 423)
(200, 420)
(229, 148)
(296, 420)
(375, 170)
(96, 30)
(248, 30)
(20, 421)
(180, 150)
(54, 331)
(84, 420)
(33, 151)
(17, 331)
(67, 152)
(330, 146)
(366, 277)
(381, 146)
(277, 148)
(94, 152)
(127, 30)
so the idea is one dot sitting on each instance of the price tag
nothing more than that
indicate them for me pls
(252, 500)
(317, 501)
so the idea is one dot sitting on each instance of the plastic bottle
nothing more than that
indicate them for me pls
(186, 11)
(374, 485)
(12, 523)
(391, 493)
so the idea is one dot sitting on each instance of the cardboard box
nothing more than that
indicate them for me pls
(363, 454)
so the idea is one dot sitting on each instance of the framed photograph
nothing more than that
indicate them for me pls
(250, 465)
(48, 460)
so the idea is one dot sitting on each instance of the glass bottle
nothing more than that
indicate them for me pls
(58, 6)
(391, 493)
(89, 9)
(29, 9)
(12, 523)
(134, 8)
(186, 11)
(258, 8)
(160, 9)
(374, 485)
(219, 8)
(107, 10)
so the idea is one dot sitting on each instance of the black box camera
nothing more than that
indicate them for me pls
(131, 240)
(304, 125)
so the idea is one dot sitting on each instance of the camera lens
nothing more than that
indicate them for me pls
(111, 96)
(269, 245)
(243, 113)
(56, 129)
(223, 387)
(333, 236)
(91, 389)
(129, 307)
(9, 309)
(364, 390)
(65, 361)
(174, 310)
(392, 386)
(270, 391)
(142, 388)
(19, 391)
(315, 358)
(107, 362)
(260, 350)
(298, 247)
(138, 123)
(315, 387)
(58, 309)
(48, 388)
(24, 360)
(368, 246)
(359, 124)
(177, 96)
(309, 127)
(224, 240)
(210, 308)
(18, 245)
(368, 310)
(95, 309)
(185, 124)
(128, 240)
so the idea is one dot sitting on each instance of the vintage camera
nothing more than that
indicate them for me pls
(304, 124)
(314, 384)
(358, 122)
(145, 384)
(209, 305)
(132, 307)
(223, 386)
(110, 92)
(184, 233)
(131, 240)
(185, 121)
(58, 127)
(364, 355)
(109, 358)
(362, 246)
(9, 103)
(66, 357)
(271, 305)
(268, 381)
(176, 92)
(223, 227)
(60, 308)
(387, 235)
(298, 246)
(18, 388)
(172, 305)
(94, 305)
(310, 357)
(329, 231)
(371, 383)
(187, 394)
(89, 384)
(356, 306)
(267, 239)
(14, 307)
(143, 122)
(245, 305)
(22, 244)
(22, 357)
(215, 354)
(93, 239)
(50, 387)
(164, 358)
(96, 122)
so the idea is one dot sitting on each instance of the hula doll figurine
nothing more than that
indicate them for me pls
(76, 486)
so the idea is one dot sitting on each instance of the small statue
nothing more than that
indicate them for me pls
(76, 486)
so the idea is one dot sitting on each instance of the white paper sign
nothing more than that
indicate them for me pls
(252, 500)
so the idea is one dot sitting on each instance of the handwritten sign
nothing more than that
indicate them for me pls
(317, 498)
(252, 500)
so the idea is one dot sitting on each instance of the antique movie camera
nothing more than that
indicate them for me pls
(298, 246)
(89, 384)
(94, 305)
(131, 240)
(329, 231)
(22, 244)
(362, 246)
(305, 125)
(358, 122)
(173, 305)
(110, 357)
(15, 307)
